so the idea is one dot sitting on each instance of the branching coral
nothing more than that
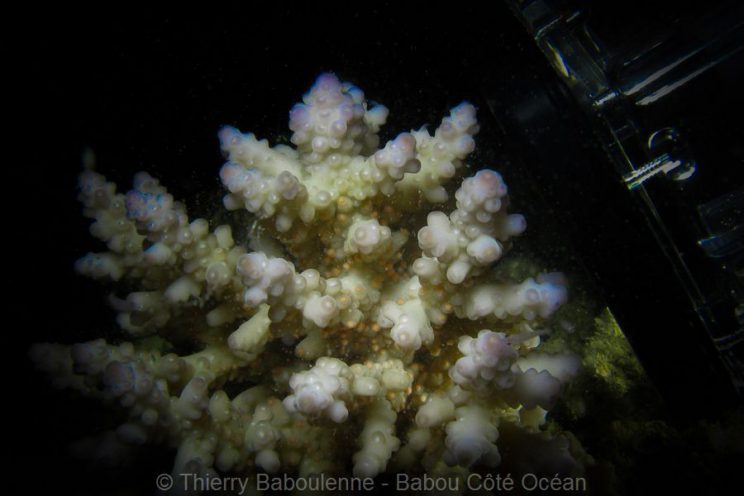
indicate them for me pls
(351, 327)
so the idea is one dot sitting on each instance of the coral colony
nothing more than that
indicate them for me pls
(358, 329)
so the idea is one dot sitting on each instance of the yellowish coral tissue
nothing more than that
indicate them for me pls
(357, 327)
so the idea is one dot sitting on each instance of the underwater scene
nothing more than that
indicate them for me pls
(384, 250)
